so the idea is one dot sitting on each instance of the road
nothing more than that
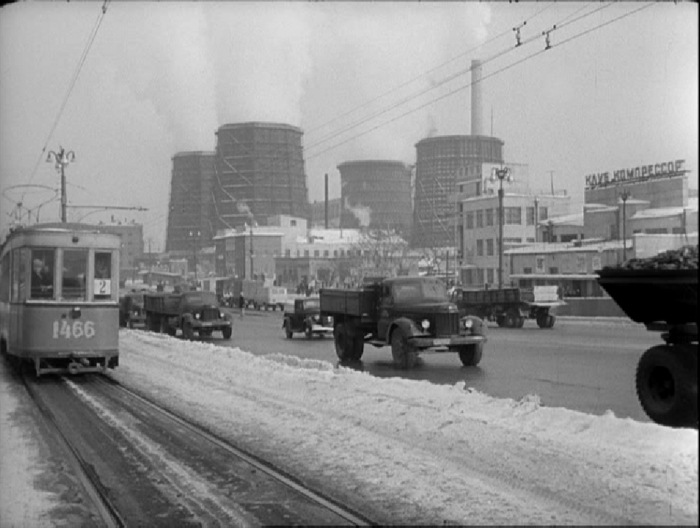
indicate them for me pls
(580, 365)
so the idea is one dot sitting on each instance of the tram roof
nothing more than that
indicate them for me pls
(97, 235)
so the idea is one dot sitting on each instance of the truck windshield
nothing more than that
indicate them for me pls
(420, 290)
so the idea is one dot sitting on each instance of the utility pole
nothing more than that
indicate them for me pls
(62, 159)
(536, 220)
(500, 174)
(251, 249)
(551, 181)
(624, 196)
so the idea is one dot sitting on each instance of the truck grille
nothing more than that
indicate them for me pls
(446, 324)
(209, 314)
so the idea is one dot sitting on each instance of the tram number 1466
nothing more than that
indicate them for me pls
(73, 330)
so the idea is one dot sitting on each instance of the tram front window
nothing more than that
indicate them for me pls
(74, 273)
(103, 276)
(42, 274)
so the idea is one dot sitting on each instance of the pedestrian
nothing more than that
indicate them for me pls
(241, 304)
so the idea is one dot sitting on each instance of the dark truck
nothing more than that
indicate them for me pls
(411, 314)
(193, 311)
(509, 307)
(131, 311)
(663, 295)
(304, 315)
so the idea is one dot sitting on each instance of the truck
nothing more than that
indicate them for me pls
(664, 298)
(412, 315)
(263, 295)
(190, 312)
(509, 307)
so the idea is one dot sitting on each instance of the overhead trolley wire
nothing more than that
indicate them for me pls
(74, 79)
(421, 76)
(496, 72)
(444, 81)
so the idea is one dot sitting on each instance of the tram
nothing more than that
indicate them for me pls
(59, 298)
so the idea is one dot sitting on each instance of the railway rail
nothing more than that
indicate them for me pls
(139, 462)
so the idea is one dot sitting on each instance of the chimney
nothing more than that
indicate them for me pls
(477, 125)
(325, 224)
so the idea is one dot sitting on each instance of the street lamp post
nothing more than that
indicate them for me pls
(252, 254)
(624, 196)
(500, 174)
(195, 238)
(536, 219)
(62, 159)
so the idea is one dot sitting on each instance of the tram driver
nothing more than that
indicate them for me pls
(42, 280)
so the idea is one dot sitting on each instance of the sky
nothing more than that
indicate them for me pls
(128, 88)
(405, 452)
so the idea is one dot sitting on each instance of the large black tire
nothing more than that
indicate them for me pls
(227, 332)
(667, 385)
(501, 320)
(520, 322)
(348, 344)
(550, 321)
(542, 319)
(470, 355)
(405, 356)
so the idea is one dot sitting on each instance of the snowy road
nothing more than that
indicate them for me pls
(415, 453)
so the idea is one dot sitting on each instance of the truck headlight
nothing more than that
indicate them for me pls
(468, 323)
(425, 324)
(196, 316)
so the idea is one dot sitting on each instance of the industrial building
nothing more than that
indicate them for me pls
(259, 173)
(189, 222)
(376, 194)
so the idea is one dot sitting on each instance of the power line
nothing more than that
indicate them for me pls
(573, 37)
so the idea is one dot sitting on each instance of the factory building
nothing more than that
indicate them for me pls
(326, 210)
(376, 194)
(259, 173)
(189, 222)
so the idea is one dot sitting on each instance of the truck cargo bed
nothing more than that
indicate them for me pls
(348, 302)
(162, 303)
(648, 296)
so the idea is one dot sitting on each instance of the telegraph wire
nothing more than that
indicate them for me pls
(444, 81)
(573, 37)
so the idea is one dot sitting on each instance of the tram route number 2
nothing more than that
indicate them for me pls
(73, 329)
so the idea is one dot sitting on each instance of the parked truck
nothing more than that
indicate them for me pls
(263, 295)
(510, 307)
(662, 293)
(190, 312)
(412, 315)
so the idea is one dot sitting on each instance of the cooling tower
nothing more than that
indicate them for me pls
(189, 222)
(259, 173)
(376, 194)
(438, 161)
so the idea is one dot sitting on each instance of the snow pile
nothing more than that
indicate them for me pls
(413, 452)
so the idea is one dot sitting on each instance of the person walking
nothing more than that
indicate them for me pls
(241, 304)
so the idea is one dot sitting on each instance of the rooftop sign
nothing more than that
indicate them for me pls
(635, 174)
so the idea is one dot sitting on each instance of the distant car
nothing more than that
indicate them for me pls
(304, 315)
(131, 312)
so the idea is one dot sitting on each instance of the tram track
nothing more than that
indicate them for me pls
(207, 480)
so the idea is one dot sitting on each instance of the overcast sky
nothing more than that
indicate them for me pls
(617, 88)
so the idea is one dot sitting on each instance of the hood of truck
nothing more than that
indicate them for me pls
(425, 308)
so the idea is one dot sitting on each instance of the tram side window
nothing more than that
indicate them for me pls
(103, 275)
(74, 273)
(42, 274)
(19, 270)
(5, 278)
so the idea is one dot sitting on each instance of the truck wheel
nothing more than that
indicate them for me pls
(520, 322)
(667, 385)
(542, 320)
(405, 356)
(470, 355)
(348, 345)
(358, 346)
(550, 321)
(308, 332)
(172, 330)
(187, 331)
(287, 330)
(227, 332)
(501, 320)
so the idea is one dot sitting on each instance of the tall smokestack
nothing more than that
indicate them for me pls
(477, 122)
(326, 202)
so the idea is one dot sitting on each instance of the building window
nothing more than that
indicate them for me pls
(489, 217)
(470, 219)
(489, 247)
(513, 215)
(293, 223)
(325, 252)
(480, 248)
(511, 241)
(581, 263)
(544, 214)
(530, 239)
(480, 218)
(316, 252)
(306, 252)
(527, 271)
(596, 263)
(553, 270)
(287, 252)
(539, 264)
(489, 275)
(530, 216)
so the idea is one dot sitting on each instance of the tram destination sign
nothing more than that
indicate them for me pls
(635, 174)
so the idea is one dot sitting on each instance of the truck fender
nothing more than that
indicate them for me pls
(186, 318)
(407, 327)
(474, 324)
